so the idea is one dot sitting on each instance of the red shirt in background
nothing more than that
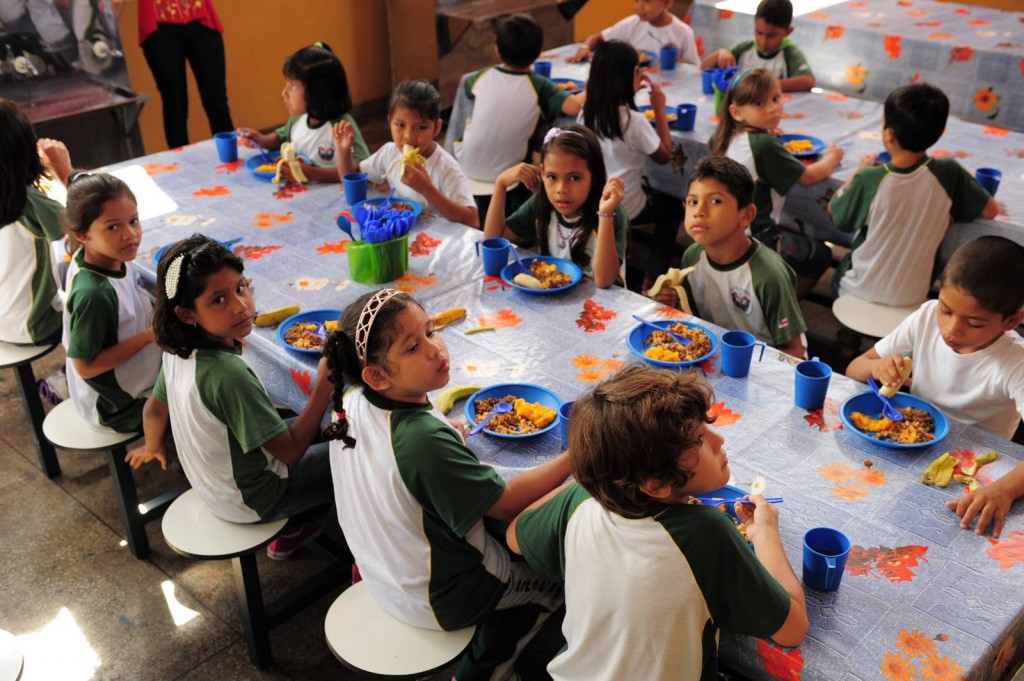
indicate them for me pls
(152, 12)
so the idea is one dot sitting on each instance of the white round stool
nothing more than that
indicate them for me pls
(20, 358)
(367, 639)
(12, 661)
(870, 319)
(64, 427)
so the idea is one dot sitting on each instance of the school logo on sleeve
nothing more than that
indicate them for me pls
(740, 299)
(783, 323)
(325, 152)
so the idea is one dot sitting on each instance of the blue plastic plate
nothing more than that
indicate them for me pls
(818, 147)
(253, 162)
(638, 336)
(527, 391)
(568, 266)
(318, 316)
(570, 85)
(670, 113)
(868, 403)
(414, 206)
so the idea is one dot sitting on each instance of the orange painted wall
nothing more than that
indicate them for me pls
(599, 14)
(259, 35)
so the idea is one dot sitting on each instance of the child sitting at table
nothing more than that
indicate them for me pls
(247, 464)
(510, 102)
(770, 47)
(737, 282)
(111, 357)
(412, 497)
(29, 221)
(900, 210)
(574, 212)
(652, 577)
(968, 357)
(628, 140)
(317, 98)
(750, 116)
(432, 176)
(652, 27)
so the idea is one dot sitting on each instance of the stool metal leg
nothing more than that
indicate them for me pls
(30, 396)
(250, 605)
(128, 500)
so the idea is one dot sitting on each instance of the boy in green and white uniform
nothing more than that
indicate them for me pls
(650, 579)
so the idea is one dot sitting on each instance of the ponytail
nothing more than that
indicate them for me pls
(340, 352)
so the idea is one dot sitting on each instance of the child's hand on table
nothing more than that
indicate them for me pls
(988, 504)
(725, 58)
(611, 195)
(888, 370)
(524, 173)
(140, 455)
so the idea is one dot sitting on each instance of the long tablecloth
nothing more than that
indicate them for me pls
(833, 117)
(919, 593)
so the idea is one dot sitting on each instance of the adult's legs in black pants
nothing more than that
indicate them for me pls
(165, 53)
(205, 52)
(666, 212)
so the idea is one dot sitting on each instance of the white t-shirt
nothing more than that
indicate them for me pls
(625, 157)
(444, 171)
(984, 388)
(644, 36)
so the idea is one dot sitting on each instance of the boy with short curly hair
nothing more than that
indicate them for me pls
(633, 551)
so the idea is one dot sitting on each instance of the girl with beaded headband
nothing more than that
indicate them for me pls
(247, 463)
(412, 497)
(747, 132)
(111, 358)
(574, 212)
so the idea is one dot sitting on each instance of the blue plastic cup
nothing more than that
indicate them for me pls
(542, 68)
(737, 351)
(812, 378)
(669, 57)
(989, 179)
(708, 80)
(825, 552)
(355, 187)
(495, 254)
(686, 117)
(563, 423)
(227, 146)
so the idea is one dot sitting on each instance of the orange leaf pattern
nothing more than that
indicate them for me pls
(254, 252)
(834, 32)
(500, 319)
(303, 380)
(961, 53)
(288, 190)
(848, 491)
(410, 283)
(228, 168)
(267, 219)
(723, 415)
(1008, 551)
(851, 484)
(898, 667)
(423, 244)
(916, 643)
(896, 566)
(593, 368)
(919, 659)
(781, 664)
(893, 46)
(825, 419)
(219, 190)
(159, 168)
(594, 316)
(333, 247)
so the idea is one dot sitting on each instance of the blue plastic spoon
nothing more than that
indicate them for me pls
(714, 501)
(888, 411)
(499, 408)
(682, 340)
(515, 254)
(345, 225)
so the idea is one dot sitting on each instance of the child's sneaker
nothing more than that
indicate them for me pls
(285, 545)
(55, 387)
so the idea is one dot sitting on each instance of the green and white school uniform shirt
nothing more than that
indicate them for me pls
(645, 598)
(785, 62)
(774, 170)
(560, 230)
(317, 143)
(105, 308)
(901, 216)
(411, 499)
(28, 274)
(222, 415)
(756, 294)
(508, 106)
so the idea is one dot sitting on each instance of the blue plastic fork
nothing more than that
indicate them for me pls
(714, 501)
(888, 411)
(267, 158)
(682, 340)
(515, 254)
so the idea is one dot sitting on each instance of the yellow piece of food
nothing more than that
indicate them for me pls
(289, 156)
(674, 278)
(277, 316)
(889, 391)
(410, 156)
(540, 415)
(873, 425)
(331, 325)
(663, 354)
(940, 471)
(796, 146)
(527, 281)
(267, 168)
(452, 314)
(447, 398)
(649, 114)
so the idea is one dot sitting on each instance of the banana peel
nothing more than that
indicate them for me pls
(940, 471)
(410, 156)
(447, 398)
(289, 156)
(674, 278)
(275, 317)
(446, 317)
(969, 480)
(888, 390)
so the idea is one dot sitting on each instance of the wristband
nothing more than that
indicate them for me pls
(605, 215)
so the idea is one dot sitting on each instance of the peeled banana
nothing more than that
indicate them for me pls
(289, 156)
(889, 391)
(674, 278)
(447, 398)
(443, 319)
(277, 316)
(527, 281)
(410, 156)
